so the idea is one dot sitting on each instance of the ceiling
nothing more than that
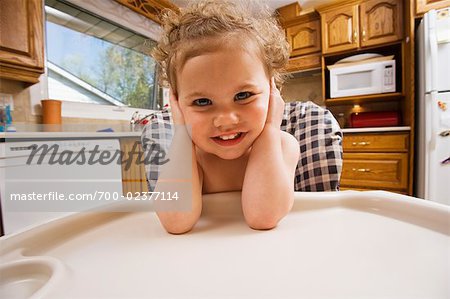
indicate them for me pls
(306, 5)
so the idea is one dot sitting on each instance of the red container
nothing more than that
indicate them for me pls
(374, 119)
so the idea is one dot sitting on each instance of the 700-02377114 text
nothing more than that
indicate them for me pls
(97, 195)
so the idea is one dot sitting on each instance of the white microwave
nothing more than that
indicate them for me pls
(362, 78)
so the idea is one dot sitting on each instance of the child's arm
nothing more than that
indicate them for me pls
(268, 189)
(180, 222)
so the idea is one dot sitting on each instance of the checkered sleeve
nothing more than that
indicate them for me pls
(320, 142)
(156, 139)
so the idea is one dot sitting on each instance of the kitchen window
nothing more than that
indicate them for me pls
(93, 60)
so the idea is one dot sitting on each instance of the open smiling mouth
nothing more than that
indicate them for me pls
(230, 139)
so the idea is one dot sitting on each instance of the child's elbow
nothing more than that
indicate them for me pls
(178, 226)
(177, 229)
(260, 222)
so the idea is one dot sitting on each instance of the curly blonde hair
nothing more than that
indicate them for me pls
(206, 25)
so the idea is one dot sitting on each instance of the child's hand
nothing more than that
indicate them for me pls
(276, 106)
(177, 115)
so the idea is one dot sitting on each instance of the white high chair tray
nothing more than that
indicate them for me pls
(332, 245)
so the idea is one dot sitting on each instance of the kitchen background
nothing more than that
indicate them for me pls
(380, 147)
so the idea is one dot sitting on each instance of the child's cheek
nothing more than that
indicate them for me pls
(262, 109)
(258, 115)
(186, 114)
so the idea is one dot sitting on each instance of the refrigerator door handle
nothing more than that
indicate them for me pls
(434, 120)
(446, 161)
(430, 22)
(445, 133)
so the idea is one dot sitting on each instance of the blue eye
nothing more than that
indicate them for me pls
(202, 102)
(242, 95)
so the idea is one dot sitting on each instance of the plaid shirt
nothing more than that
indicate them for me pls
(318, 134)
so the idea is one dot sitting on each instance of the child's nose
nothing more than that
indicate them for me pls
(226, 119)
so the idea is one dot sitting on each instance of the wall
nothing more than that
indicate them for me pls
(23, 112)
(21, 97)
(304, 86)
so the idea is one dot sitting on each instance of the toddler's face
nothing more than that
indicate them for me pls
(224, 97)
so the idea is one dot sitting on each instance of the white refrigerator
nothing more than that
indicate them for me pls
(433, 107)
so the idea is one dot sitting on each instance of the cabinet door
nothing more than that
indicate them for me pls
(375, 170)
(340, 29)
(304, 62)
(304, 38)
(379, 142)
(422, 6)
(381, 22)
(134, 179)
(21, 39)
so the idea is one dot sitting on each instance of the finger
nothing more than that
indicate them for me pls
(174, 103)
(272, 85)
(176, 112)
(271, 95)
(274, 89)
(172, 96)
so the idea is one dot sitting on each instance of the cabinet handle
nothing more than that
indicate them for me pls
(445, 133)
(362, 143)
(362, 169)
(355, 36)
(364, 35)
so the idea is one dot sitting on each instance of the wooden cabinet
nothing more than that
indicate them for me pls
(361, 24)
(303, 63)
(422, 6)
(304, 38)
(340, 29)
(375, 170)
(151, 9)
(376, 161)
(372, 161)
(381, 22)
(392, 142)
(134, 179)
(21, 40)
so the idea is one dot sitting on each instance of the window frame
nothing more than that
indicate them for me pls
(116, 13)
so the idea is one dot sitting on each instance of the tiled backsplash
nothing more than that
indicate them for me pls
(304, 87)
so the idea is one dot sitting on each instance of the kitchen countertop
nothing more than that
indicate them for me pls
(375, 129)
(71, 131)
(137, 133)
(47, 135)
(331, 245)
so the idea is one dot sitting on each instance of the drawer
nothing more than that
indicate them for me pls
(395, 142)
(304, 63)
(375, 170)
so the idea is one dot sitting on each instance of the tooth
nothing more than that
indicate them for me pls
(227, 137)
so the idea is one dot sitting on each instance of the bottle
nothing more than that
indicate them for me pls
(8, 123)
(2, 118)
